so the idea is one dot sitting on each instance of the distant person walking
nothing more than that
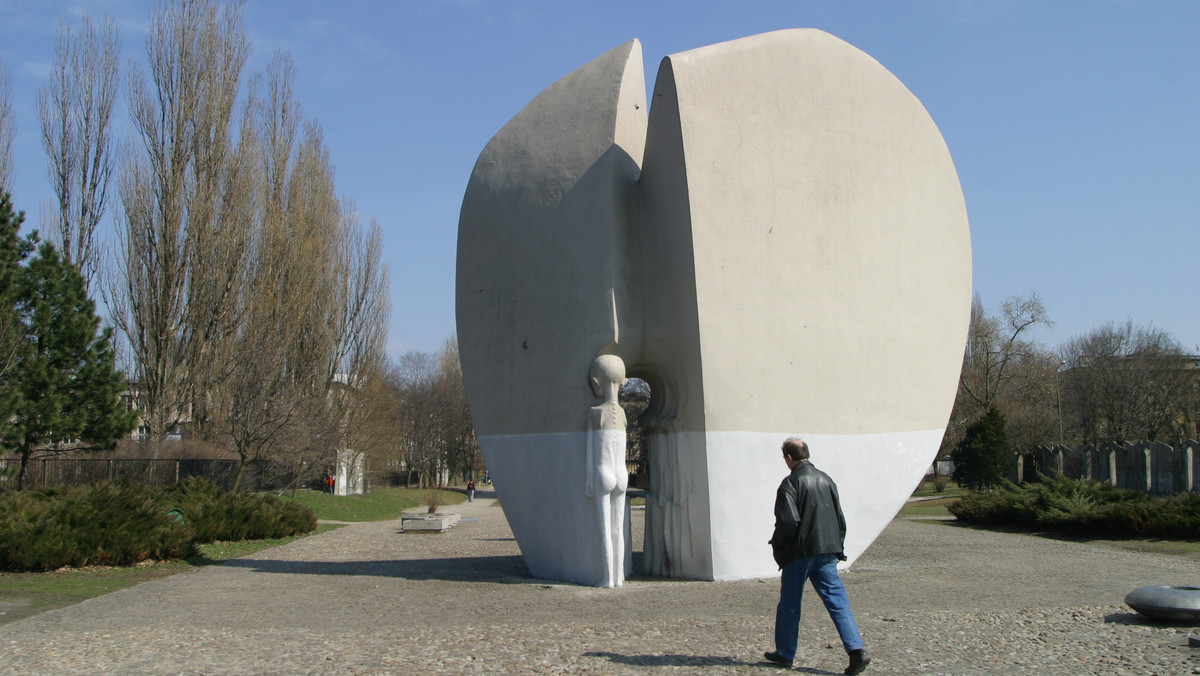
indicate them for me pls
(329, 481)
(471, 490)
(809, 537)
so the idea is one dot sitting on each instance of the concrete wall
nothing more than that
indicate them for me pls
(1154, 467)
(829, 245)
(538, 263)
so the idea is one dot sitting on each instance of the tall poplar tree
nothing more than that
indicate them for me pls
(75, 111)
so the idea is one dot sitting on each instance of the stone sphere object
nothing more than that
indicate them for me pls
(1172, 603)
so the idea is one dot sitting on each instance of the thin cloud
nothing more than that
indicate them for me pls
(38, 69)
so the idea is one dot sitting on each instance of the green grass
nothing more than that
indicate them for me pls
(380, 504)
(928, 508)
(926, 490)
(936, 506)
(1188, 549)
(216, 552)
(25, 594)
(1185, 548)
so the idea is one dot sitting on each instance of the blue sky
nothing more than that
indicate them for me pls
(1074, 125)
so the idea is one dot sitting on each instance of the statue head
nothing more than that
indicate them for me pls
(606, 369)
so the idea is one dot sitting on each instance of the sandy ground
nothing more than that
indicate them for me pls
(371, 599)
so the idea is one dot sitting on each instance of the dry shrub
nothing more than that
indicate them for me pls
(433, 496)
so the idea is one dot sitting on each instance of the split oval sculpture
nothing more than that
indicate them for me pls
(780, 247)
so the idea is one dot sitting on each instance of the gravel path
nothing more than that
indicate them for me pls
(370, 599)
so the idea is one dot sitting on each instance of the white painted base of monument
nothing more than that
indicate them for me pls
(702, 533)
(539, 479)
(874, 473)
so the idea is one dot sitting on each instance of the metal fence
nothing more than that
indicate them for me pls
(259, 475)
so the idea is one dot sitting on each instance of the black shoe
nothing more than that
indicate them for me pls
(776, 658)
(858, 662)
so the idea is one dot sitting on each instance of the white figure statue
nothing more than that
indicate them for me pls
(607, 475)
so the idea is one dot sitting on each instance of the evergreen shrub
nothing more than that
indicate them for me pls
(1082, 507)
(102, 525)
(220, 516)
(120, 524)
(980, 457)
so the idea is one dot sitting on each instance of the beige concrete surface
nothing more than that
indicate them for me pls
(779, 248)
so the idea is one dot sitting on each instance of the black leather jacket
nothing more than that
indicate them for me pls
(808, 516)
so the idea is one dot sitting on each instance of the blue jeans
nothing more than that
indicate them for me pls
(822, 570)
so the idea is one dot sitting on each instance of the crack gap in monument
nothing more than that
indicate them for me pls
(635, 398)
(651, 426)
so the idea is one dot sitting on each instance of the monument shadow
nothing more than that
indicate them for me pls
(499, 569)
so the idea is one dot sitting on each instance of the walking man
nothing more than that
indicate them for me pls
(808, 542)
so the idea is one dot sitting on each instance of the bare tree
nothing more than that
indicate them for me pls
(258, 408)
(434, 422)
(1031, 401)
(1002, 368)
(415, 378)
(8, 128)
(368, 420)
(178, 190)
(309, 341)
(363, 309)
(272, 399)
(250, 296)
(464, 456)
(75, 111)
(995, 346)
(360, 404)
(1126, 383)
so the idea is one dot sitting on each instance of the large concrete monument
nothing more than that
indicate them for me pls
(780, 247)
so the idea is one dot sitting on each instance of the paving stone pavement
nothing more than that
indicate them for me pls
(370, 599)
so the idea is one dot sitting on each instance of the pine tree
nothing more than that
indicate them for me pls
(14, 250)
(63, 390)
(980, 458)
